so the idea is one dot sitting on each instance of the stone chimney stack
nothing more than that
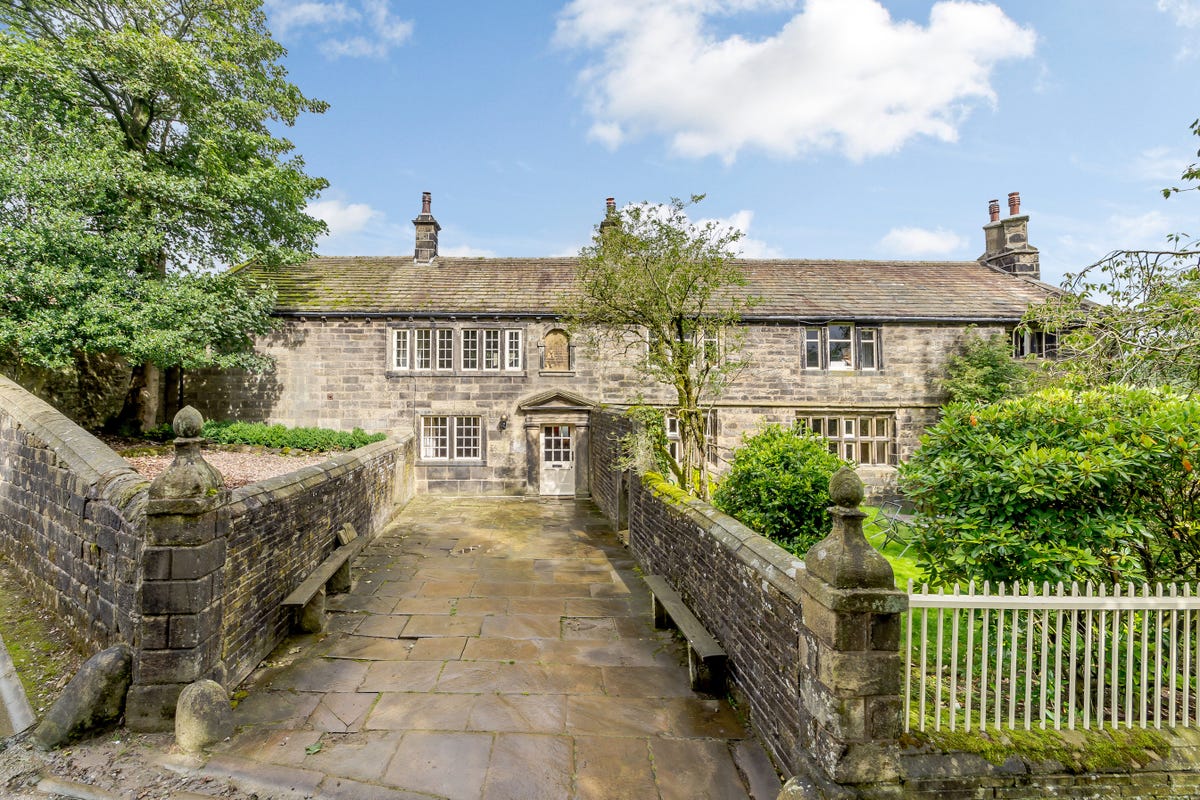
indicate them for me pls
(427, 232)
(1007, 240)
(610, 214)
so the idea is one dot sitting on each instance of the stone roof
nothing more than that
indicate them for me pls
(787, 289)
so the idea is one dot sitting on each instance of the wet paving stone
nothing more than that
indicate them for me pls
(342, 712)
(492, 648)
(529, 767)
(400, 676)
(519, 713)
(419, 711)
(613, 768)
(451, 765)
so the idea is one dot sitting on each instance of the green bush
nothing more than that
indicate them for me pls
(320, 439)
(778, 485)
(984, 371)
(1059, 485)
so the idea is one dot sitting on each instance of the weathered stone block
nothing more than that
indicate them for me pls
(156, 563)
(859, 674)
(176, 597)
(195, 562)
(168, 666)
(151, 708)
(841, 630)
(190, 630)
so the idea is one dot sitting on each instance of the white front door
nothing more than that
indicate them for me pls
(558, 461)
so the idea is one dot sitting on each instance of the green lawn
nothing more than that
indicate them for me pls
(904, 566)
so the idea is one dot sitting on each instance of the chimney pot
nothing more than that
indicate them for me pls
(426, 202)
(610, 204)
(994, 210)
(1014, 203)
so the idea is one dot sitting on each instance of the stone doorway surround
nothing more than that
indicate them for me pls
(557, 407)
(491, 649)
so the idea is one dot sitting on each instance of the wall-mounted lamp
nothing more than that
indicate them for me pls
(503, 421)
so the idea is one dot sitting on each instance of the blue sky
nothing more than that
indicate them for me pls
(871, 129)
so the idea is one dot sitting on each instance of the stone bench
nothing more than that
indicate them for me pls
(706, 657)
(332, 575)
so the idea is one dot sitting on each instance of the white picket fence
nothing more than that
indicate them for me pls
(1068, 657)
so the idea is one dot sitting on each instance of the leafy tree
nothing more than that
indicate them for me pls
(984, 371)
(1060, 485)
(1192, 173)
(778, 484)
(136, 158)
(1133, 317)
(663, 290)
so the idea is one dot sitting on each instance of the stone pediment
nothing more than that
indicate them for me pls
(555, 400)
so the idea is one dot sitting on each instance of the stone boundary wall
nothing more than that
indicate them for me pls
(607, 482)
(928, 774)
(72, 515)
(280, 529)
(742, 588)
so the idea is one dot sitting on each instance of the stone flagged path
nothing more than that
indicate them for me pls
(492, 649)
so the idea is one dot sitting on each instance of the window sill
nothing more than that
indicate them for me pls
(808, 371)
(557, 373)
(469, 373)
(423, 462)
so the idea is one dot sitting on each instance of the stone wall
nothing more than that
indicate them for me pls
(218, 567)
(610, 485)
(71, 518)
(280, 529)
(743, 589)
(335, 371)
(928, 773)
(193, 584)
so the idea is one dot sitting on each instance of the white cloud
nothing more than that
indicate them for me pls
(368, 29)
(912, 242)
(343, 218)
(1077, 242)
(1161, 164)
(287, 18)
(1147, 230)
(745, 247)
(1185, 12)
(839, 75)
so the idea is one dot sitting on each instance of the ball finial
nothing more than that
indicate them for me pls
(845, 488)
(187, 423)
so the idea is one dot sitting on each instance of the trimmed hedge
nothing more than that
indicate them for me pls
(319, 439)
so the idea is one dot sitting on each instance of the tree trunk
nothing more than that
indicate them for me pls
(172, 393)
(142, 401)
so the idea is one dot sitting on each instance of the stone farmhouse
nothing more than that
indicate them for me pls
(471, 355)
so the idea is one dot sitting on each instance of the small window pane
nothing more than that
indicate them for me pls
(841, 347)
(435, 437)
(470, 349)
(868, 344)
(445, 349)
(556, 444)
(400, 350)
(512, 359)
(424, 355)
(491, 349)
(467, 438)
(812, 348)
